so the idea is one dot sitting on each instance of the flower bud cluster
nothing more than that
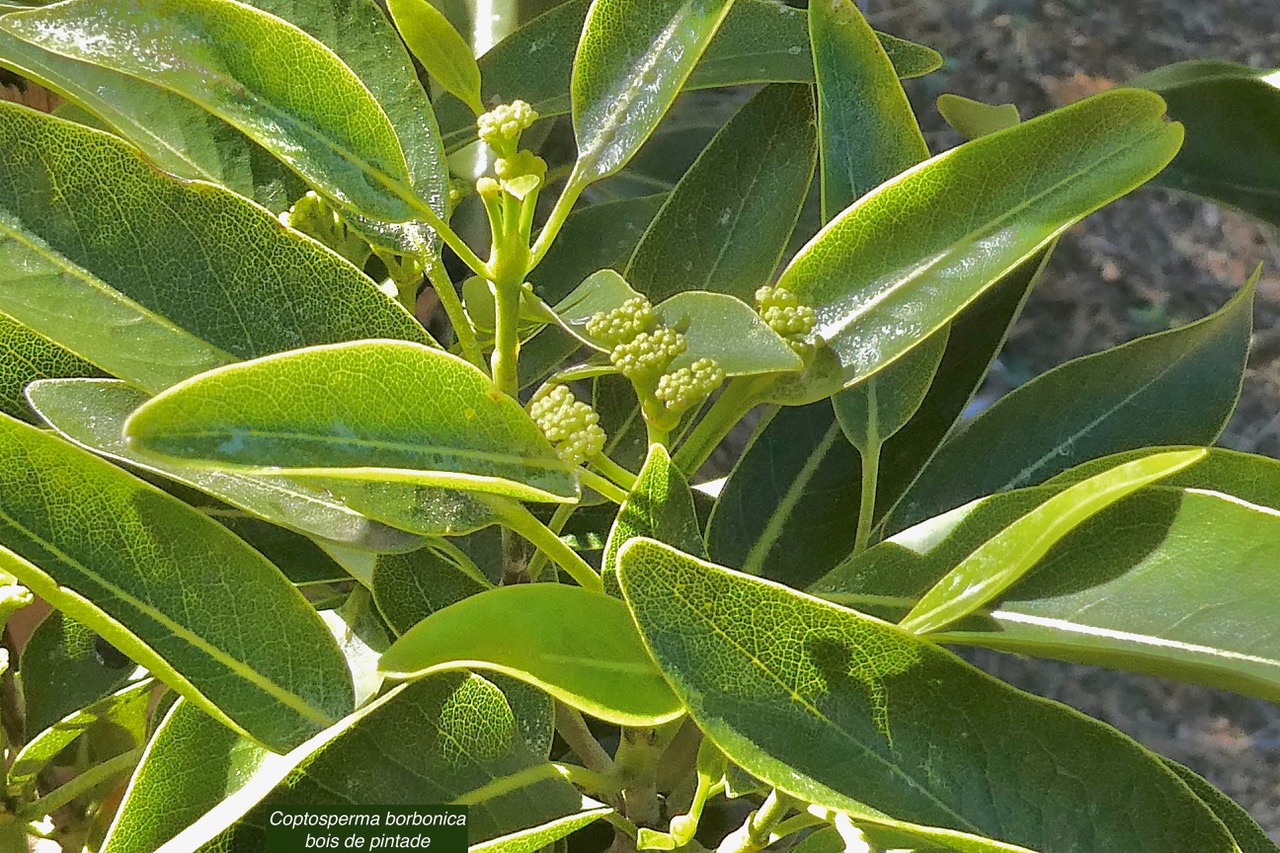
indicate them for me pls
(502, 127)
(624, 323)
(688, 386)
(782, 311)
(568, 423)
(521, 173)
(646, 357)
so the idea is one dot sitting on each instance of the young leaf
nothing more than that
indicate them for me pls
(242, 65)
(1232, 115)
(127, 560)
(726, 224)
(1160, 583)
(1128, 397)
(761, 41)
(381, 411)
(62, 671)
(445, 54)
(972, 119)
(1005, 558)
(25, 357)
(659, 507)
(92, 413)
(579, 646)
(839, 709)
(910, 256)
(167, 267)
(632, 61)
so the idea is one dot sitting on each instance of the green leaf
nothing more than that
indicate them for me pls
(171, 132)
(127, 560)
(908, 257)
(887, 833)
(301, 560)
(419, 744)
(761, 41)
(1006, 557)
(539, 837)
(1252, 478)
(381, 411)
(1232, 115)
(726, 224)
(785, 512)
(1128, 397)
(25, 357)
(632, 60)
(126, 708)
(660, 507)
(868, 132)
(92, 413)
(191, 764)
(410, 587)
(437, 45)
(872, 412)
(580, 646)
(240, 64)
(1160, 583)
(61, 671)
(827, 705)
(1250, 837)
(165, 267)
(972, 119)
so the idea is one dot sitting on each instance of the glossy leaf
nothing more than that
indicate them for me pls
(633, 59)
(1250, 837)
(437, 45)
(92, 413)
(165, 267)
(421, 745)
(580, 646)
(170, 131)
(1006, 557)
(126, 560)
(227, 57)
(538, 838)
(726, 224)
(25, 357)
(972, 119)
(761, 41)
(126, 708)
(1252, 478)
(410, 587)
(192, 763)
(1232, 115)
(1164, 582)
(868, 131)
(1128, 397)
(660, 507)
(61, 671)
(908, 257)
(299, 558)
(872, 412)
(887, 833)
(381, 411)
(827, 705)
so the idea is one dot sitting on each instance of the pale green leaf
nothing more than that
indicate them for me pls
(972, 119)
(445, 54)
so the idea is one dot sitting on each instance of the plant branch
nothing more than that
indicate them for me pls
(614, 471)
(452, 305)
(523, 522)
(867, 504)
(605, 487)
(573, 728)
(738, 398)
(563, 207)
(556, 525)
(81, 784)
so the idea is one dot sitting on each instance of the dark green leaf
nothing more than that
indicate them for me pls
(840, 709)
(410, 587)
(244, 66)
(908, 257)
(301, 560)
(725, 226)
(165, 267)
(1248, 835)
(386, 412)
(25, 357)
(580, 646)
(1232, 115)
(127, 560)
(1125, 398)
(62, 671)
(872, 412)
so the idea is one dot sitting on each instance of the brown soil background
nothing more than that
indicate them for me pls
(1147, 263)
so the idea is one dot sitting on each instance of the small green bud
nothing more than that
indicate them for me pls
(568, 423)
(488, 189)
(521, 173)
(688, 386)
(458, 190)
(624, 323)
(501, 127)
(782, 311)
(646, 357)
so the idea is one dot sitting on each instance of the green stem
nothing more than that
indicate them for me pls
(81, 784)
(614, 472)
(506, 338)
(639, 751)
(452, 305)
(523, 522)
(573, 728)
(867, 506)
(738, 398)
(583, 777)
(606, 488)
(756, 831)
(563, 207)
(451, 238)
(556, 525)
